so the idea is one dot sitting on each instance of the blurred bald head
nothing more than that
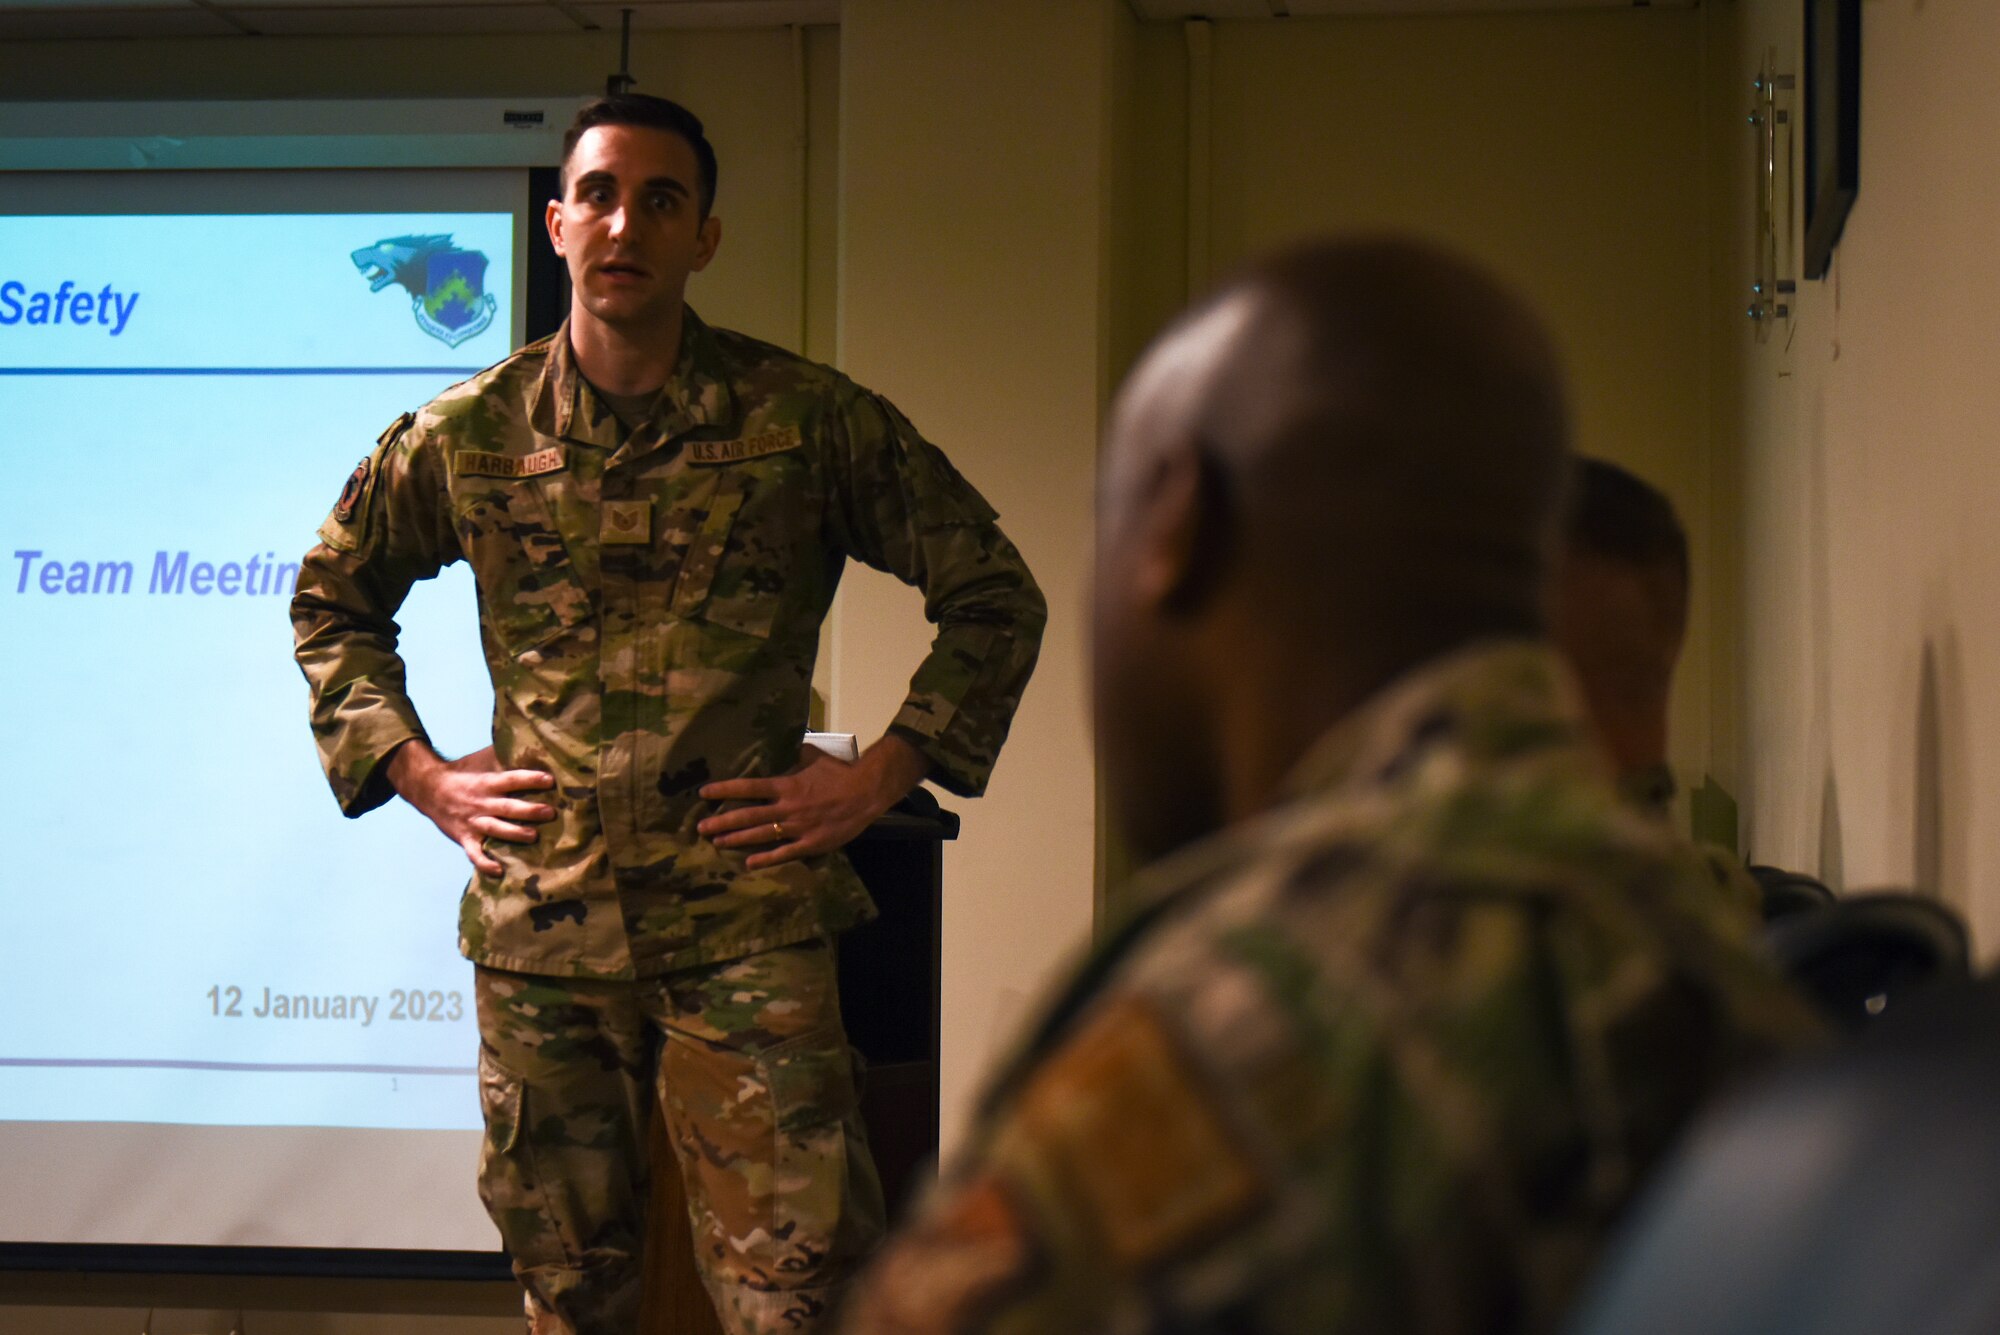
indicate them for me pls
(1346, 461)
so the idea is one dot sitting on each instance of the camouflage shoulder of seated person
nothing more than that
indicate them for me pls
(1394, 1057)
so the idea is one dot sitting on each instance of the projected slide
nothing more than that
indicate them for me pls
(197, 936)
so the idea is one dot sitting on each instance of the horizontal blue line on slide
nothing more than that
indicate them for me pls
(241, 370)
(147, 1063)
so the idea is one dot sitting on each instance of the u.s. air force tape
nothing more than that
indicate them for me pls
(748, 447)
(479, 463)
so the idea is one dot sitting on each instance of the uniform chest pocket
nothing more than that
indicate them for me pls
(529, 592)
(735, 571)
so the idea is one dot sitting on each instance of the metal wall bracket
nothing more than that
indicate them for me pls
(1771, 117)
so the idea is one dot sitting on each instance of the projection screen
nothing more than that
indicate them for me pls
(236, 1019)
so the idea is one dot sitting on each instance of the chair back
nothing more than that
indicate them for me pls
(1789, 892)
(1863, 953)
(1857, 1193)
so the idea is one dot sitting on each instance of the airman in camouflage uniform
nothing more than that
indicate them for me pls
(651, 598)
(1619, 612)
(1411, 1001)
(637, 665)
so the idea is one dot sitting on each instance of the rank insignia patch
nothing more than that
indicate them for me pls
(627, 523)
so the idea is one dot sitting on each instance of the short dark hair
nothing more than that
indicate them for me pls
(653, 113)
(1616, 515)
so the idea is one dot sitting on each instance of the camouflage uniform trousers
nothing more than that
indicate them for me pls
(757, 1083)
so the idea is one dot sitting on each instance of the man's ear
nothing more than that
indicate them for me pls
(552, 219)
(706, 243)
(1189, 531)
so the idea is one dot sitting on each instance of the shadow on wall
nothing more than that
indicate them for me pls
(1832, 863)
(1941, 788)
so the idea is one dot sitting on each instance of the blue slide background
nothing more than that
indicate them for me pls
(173, 832)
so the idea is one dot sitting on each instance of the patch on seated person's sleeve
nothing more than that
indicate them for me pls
(955, 1267)
(1141, 1134)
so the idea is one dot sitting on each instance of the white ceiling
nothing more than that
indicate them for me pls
(26, 20)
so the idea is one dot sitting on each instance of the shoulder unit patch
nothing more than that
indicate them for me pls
(351, 494)
(1143, 1137)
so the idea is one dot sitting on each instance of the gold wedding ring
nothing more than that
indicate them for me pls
(778, 829)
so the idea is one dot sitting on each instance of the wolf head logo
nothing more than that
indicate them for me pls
(446, 283)
(399, 259)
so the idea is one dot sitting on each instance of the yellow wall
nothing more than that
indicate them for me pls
(1861, 450)
(973, 291)
(1562, 150)
(1015, 211)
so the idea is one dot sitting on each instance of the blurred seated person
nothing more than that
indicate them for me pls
(1619, 614)
(1411, 1004)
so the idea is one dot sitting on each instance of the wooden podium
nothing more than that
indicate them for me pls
(889, 1000)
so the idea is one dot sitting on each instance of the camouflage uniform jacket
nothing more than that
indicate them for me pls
(1389, 1058)
(650, 606)
(1652, 790)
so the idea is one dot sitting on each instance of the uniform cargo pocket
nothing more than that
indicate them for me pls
(811, 1078)
(825, 1199)
(500, 1101)
(731, 576)
(509, 1182)
(528, 590)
